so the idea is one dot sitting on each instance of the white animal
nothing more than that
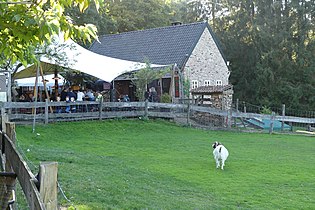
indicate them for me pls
(220, 153)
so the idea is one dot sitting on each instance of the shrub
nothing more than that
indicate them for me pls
(265, 110)
(166, 98)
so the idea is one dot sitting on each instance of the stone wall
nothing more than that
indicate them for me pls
(223, 100)
(227, 99)
(206, 62)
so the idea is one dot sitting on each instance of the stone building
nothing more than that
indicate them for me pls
(191, 49)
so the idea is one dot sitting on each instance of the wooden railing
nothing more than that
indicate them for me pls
(48, 112)
(40, 194)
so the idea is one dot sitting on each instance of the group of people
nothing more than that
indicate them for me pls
(151, 95)
(124, 98)
(26, 97)
(69, 95)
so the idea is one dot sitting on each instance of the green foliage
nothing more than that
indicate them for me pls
(269, 46)
(158, 165)
(24, 27)
(265, 110)
(166, 98)
(138, 14)
(145, 76)
(100, 18)
(186, 86)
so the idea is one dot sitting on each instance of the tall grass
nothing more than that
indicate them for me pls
(134, 164)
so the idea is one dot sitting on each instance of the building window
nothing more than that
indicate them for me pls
(194, 84)
(219, 82)
(207, 83)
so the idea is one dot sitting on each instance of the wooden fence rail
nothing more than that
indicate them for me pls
(12, 161)
(103, 110)
(247, 115)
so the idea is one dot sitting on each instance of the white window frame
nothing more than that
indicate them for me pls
(207, 83)
(218, 82)
(194, 84)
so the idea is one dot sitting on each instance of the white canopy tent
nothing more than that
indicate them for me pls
(30, 82)
(80, 59)
(103, 67)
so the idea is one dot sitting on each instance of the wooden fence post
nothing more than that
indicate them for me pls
(10, 131)
(237, 110)
(229, 118)
(146, 109)
(48, 184)
(4, 118)
(100, 107)
(244, 106)
(188, 113)
(46, 111)
(283, 115)
(271, 122)
(2, 157)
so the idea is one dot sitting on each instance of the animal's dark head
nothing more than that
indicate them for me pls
(215, 144)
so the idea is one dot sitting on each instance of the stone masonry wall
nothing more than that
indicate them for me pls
(206, 62)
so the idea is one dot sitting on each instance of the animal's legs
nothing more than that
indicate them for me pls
(222, 164)
(217, 163)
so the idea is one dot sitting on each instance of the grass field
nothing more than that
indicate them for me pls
(135, 164)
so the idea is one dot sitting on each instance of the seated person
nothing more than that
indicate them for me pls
(90, 96)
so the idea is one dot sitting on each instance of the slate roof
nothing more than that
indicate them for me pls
(166, 45)
(211, 89)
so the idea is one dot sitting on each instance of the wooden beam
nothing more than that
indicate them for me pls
(24, 175)
(48, 184)
(272, 119)
(45, 87)
(10, 131)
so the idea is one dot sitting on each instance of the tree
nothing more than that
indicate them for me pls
(131, 15)
(145, 76)
(269, 44)
(26, 25)
(98, 17)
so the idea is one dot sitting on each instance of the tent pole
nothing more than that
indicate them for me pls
(161, 87)
(35, 102)
(114, 92)
(45, 87)
(56, 82)
(9, 90)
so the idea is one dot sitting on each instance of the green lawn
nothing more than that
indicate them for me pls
(135, 164)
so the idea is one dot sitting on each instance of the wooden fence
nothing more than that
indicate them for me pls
(40, 191)
(47, 112)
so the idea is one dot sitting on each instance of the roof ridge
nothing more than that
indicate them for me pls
(153, 29)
